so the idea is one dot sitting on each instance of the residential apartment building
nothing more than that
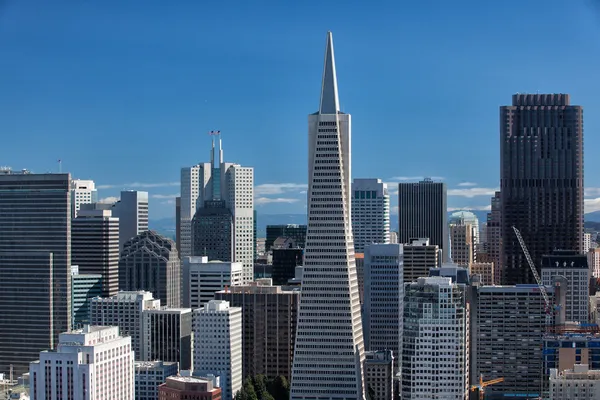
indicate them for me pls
(370, 213)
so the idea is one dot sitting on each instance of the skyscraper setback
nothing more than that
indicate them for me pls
(329, 351)
(541, 179)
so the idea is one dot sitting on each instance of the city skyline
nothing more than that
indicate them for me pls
(449, 95)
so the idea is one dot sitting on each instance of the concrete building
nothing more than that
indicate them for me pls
(419, 257)
(82, 192)
(537, 133)
(202, 278)
(189, 388)
(435, 343)
(126, 311)
(132, 211)
(83, 289)
(464, 217)
(574, 267)
(393, 237)
(149, 261)
(269, 317)
(422, 213)
(593, 257)
(93, 363)
(462, 244)
(486, 271)
(384, 294)
(379, 374)
(35, 265)
(578, 383)
(149, 375)
(370, 213)
(168, 335)
(218, 345)
(95, 246)
(295, 232)
(329, 316)
(493, 245)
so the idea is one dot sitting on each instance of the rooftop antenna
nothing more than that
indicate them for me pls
(59, 166)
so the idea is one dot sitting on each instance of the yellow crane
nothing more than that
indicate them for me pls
(482, 385)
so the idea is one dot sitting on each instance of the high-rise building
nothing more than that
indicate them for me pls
(435, 342)
(384, 294)
(149, 261)
(95, 246)
(370, 213)
(83, 289)
(218, 345)
(572, 265)
(577, 383)
(379, 374)
(593, 257)
(464, 217)
(422, 213)
(82, 192)
(189, 388)
(35, 265)
(125, 310)
(287, 255)
(295, 232)
(329, 321)
(419, 257)
(168, 335)
(149, 375)
(217, 211)
(93, 363)
(359, 259)
(393, 237)
(202, 278)
(587, 242)
(541, 179)
(269, 315)
(178, 224)
(486, 271)
(132, 211)
(462, 244)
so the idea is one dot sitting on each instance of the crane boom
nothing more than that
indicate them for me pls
(533, 269)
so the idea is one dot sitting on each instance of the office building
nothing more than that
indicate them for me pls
(493, 242)
(384, 293)
(370, 213)
(393, 237)
(168, 335)
(189, 388)
(82, 192)
(132, 211)
(202, 278)
(125, 310)
(464, 217)
(539, 132)
(419, 257)
(178, 225)
(486, 271)
(295, 232)
(92, 363)
(149, 261)
(435, 342)
(330, 315)
(422, 213)
(462, 244)
(83, 289)
(456, 274)
(287, 255)
(593, 257)
(35, 265)
(212, 231)
(379, 374)
(149, 375)
(218, 345)
(269, 318)
(577, 383)
(587, 242)
(95, 246)
(359, 259)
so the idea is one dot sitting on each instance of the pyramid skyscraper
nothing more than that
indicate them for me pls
(329, 350)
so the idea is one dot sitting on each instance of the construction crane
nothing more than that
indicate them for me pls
(482, 385)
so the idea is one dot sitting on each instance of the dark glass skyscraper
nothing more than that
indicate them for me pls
(541, 179)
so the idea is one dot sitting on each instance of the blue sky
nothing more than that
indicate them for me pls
(125, 92)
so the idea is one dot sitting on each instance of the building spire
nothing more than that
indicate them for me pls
(329, 91)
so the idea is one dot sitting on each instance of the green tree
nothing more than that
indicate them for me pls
(279, 388)
(260, 385)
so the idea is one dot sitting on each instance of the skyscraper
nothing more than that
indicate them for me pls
(35, 265)
(541, 179)
(132, 211)
(82, 192)
(329, 351)
(422, 213)
(370, 213)
(493, 243)
(168, 335)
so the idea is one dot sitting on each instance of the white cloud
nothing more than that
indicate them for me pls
(472, 192)
(138, 185)
(416, 178)
(164, 196)
(278, 188)
(473, 208)
(591, 205)
(466, 184)
(591, 191)
(108, 200)
(170, 201)
(266, 200)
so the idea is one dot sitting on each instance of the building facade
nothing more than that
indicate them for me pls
(295, 232)
(462, 244)
(593, 257)
(212, 232)
(370, 213)
(487, 272)
(188, 388)
(149, 375)
(168, 335)
(379, 374)
(82, 192)
(577, 383)
(287, 255)
(539, 132)
(202, 278)
(132, 211)
(83, 289)
(419, 257)
(493, 243)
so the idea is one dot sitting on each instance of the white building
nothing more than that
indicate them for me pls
(329, 319)
(82, 192)
(384, 294)
(370, 213)
(125, 310)
(218, 345)
(194, 186)
(202, 278)
(93, 363)
(149, 375)
(393, 237)
(132, 211)
(580, 383)
(435, 344)
(593, 257)
(587, 242)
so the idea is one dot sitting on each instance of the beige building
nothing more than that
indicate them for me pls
(485, 270)
(419, 257)
(462, 244)
(578, 383)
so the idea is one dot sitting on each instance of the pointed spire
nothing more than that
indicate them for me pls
(329, 92)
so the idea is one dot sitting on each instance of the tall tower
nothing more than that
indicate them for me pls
(329, 351)
(370, 213)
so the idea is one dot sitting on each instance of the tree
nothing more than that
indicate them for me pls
(260, 385)
(279, 388)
